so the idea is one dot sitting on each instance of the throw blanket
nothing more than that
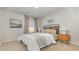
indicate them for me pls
(41, 41)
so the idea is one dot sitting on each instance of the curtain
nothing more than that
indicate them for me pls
(26, 24)
(36, 24)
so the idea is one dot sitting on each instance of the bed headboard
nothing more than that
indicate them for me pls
(51, 28)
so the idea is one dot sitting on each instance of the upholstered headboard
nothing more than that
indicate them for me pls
(51, 28)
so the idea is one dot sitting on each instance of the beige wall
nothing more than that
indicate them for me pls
(68, 18)
(10, 33)
(0, 24)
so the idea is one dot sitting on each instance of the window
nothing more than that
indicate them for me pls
(31, 29)
(31, 25)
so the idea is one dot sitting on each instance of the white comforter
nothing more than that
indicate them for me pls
(36, 41)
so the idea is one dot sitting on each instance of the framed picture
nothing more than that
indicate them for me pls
(15, 23)
(50, 22)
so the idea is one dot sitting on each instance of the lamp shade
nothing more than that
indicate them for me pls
(64, 30)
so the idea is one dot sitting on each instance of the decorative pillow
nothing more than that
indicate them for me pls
(55, 35)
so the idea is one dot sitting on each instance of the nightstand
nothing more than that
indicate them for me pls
(64, 38)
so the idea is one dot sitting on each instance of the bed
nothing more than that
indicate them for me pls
(52, 29)
(36, 41)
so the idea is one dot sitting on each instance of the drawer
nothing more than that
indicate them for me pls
(64, 38)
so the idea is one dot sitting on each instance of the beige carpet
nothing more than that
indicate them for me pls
(12, 46)
(16, 46)
(61, 47)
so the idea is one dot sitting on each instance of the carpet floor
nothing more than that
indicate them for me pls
(17, 46)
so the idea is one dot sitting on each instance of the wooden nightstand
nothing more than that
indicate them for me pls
(64, 38)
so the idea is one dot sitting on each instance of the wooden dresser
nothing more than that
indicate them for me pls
(64, 38)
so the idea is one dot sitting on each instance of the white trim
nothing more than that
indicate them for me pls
(74, 43)
(3, 41)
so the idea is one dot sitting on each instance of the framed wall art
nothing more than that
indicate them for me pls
(15, 23)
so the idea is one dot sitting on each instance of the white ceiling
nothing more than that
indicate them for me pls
(36, 12)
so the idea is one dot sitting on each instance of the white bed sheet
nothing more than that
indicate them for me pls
(30, 40)
(48, 37)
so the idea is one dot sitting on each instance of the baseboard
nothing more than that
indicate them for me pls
(4, 41)
(74, 43)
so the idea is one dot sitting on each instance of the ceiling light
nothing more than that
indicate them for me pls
(36, 7)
